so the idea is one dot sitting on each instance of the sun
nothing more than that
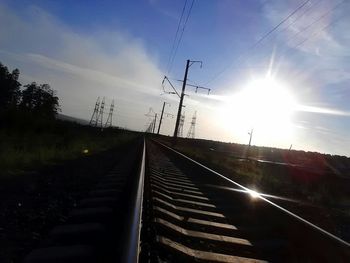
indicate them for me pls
(266, 101)
(265, 105)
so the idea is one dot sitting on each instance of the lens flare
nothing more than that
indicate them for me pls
(253, 194)
(267, 105)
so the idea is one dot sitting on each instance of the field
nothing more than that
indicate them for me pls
(313, 185)
(28, 143)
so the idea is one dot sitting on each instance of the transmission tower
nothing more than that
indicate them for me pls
(110, 115)
(99, 122)
(153, 115)
(149, 129)
(191, 131)
(151, 126)
(93, 121)
(181, 126)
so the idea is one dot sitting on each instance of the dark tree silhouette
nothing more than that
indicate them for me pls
(9, 88)
(40, 100)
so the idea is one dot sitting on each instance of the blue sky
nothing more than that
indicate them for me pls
(120, 50)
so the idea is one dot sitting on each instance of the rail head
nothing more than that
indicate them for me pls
(134, 228)
(257, 195)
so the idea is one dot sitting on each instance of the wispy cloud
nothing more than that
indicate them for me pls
(81, 66)
(323, 110)
(158, 5)
(90, 74)
(314, 37)
(312, 22)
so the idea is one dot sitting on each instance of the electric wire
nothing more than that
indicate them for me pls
(267, 34)
(316, 20)
(307, 10)
(176, 35)
(279, 24)
(180, 38)
(315, 33)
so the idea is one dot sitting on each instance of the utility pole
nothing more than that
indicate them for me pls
(250, 136)
(155, 121)
(188, 64)
(181, 99)
(161, 117)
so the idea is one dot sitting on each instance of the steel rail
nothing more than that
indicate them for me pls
(133, 243)
(248, 191)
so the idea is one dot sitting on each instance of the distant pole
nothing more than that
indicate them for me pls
(155, 121)
(161, 117)
(181, 100)
(290, 148)
(250, 136)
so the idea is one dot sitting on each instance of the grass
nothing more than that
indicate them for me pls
(318, 190)
(24, 147)
(319, 186)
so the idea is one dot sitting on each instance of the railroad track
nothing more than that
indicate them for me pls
(195, 214)
(97, 230)
(160, 206)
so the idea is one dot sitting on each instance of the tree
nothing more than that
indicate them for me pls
(40, 100)
(9, 88)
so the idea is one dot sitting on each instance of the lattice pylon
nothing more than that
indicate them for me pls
(192, 130)
(94, 117)
(150, 127)
(181, 126)
(100, 114)
(110, 115)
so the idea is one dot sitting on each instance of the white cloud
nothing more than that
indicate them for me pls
(81, 66)
(323, 110)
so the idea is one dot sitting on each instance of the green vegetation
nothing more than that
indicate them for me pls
(38, 100)
(30, 134)
(51, 142)
(314, 178)
(312, 185)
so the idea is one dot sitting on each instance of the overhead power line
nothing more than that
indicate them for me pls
(308, 26)
(268, 33)
(279, 24)
(315, 33)
(176, 34)
(325, 14)
(301, 15)
(180, 37)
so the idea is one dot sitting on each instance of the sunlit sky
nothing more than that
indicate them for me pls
(291, 88)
